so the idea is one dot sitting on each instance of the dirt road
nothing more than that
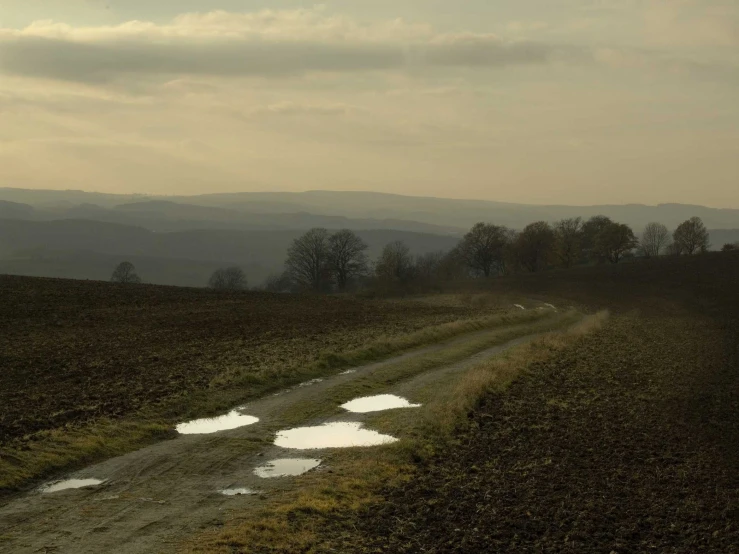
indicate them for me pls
(153, 498)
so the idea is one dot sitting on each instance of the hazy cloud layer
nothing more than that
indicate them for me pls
(573, 101)
(264, 44)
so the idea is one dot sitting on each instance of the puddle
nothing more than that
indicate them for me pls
(286, 467)
(232, 420)
(71, 484)
(238, 492)
(519, 306)
(551, 306)
(348, 372)
(377, 404)
(311, 382)
(331, 435)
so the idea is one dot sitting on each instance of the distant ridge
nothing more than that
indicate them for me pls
(380, 208)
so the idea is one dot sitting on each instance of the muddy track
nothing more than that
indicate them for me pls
(154, 497)
(624, 443)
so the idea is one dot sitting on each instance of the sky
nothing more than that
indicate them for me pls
(533, 101)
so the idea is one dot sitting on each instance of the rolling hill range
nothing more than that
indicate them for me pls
(84, 249)
(394, 210)
(182, 240)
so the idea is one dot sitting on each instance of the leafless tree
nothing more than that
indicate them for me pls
(590, 231)
(616, 240)
(308, 258)
(569, 233)
(535, 246)
(281, 282)
(691, 236)
(483, 248)
(428, 265)
(230, 278)
(125, 273)
(395, 263)
(730, 247)
(654, 239)
(346, 256)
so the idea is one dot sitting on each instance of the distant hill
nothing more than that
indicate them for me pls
(165, 215)
(720, 237)
(83, 248)
(377, 209)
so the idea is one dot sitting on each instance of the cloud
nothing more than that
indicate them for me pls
(265, 44)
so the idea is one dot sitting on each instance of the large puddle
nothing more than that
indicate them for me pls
(286, 467)
(232, 420)
(331, 435)
(377, 404)
(71, 484)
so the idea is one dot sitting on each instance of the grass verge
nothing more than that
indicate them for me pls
(314, 516)
(49, 453)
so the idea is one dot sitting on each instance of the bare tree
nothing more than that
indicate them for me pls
(346, 256)
(482, 248)
(230, 278)
(616, 240)
(125, 273)
(590, 231)
(307, 260)
(535, 246)
(654, 239)
(730, 247)
(569, 234)
(281, 282)
(428, 265)
(395, 263)
(691, 236)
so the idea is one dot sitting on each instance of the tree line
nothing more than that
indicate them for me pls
(323, 261)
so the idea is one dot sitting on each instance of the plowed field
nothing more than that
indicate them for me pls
(627, 442)
(72, 352)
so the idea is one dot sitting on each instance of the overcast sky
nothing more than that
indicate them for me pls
(535, 101)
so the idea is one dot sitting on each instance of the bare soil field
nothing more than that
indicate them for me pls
(73, 353)
(625, 442)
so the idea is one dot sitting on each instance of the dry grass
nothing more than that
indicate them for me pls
(314, 517)
(44, 453)
(451, 411)
(58, 449)
(295, 520)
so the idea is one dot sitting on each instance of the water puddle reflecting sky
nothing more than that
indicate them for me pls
(238, 492)
(377, 404)
(232, 420)
(71, 484)
(331, 435)
(309, 383)
(286, 467)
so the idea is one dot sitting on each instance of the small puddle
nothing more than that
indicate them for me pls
(519, 306)
(232, 420)
(348, 372)
(377, 404)
(311, 382)
(331, 435)
(238, 492)
(286, 467)
(71, 484)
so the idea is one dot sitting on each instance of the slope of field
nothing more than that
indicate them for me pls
(627, 441)
(79, 248)
(76, 353)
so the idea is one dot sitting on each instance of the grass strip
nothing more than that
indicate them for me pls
(320, 511)
(51, 452)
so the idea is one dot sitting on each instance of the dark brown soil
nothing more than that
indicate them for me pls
(74, 351)
(627, 442)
